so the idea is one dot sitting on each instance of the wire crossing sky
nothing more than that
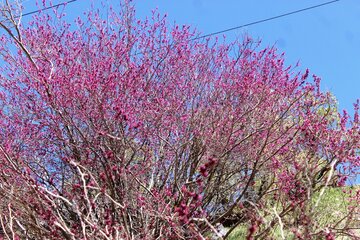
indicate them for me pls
(267, 19)
(47, 8)
(213, 33)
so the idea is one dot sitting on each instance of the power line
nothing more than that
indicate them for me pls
(47, 8)
(218, 32)
(265, 20)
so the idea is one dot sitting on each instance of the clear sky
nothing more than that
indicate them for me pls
(326, 40)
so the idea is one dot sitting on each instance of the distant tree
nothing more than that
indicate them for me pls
(125, 129)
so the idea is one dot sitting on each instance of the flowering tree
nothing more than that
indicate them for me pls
(125, 129)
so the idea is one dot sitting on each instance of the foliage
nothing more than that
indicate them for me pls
(125, 129)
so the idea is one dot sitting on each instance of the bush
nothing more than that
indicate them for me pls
(125, 129)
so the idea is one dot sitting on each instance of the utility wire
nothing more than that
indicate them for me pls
(265, 20)
(218, 32)
(47, 8)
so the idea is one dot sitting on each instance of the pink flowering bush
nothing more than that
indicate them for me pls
(126, 129)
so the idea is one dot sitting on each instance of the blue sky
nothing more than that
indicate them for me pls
(325, 40)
